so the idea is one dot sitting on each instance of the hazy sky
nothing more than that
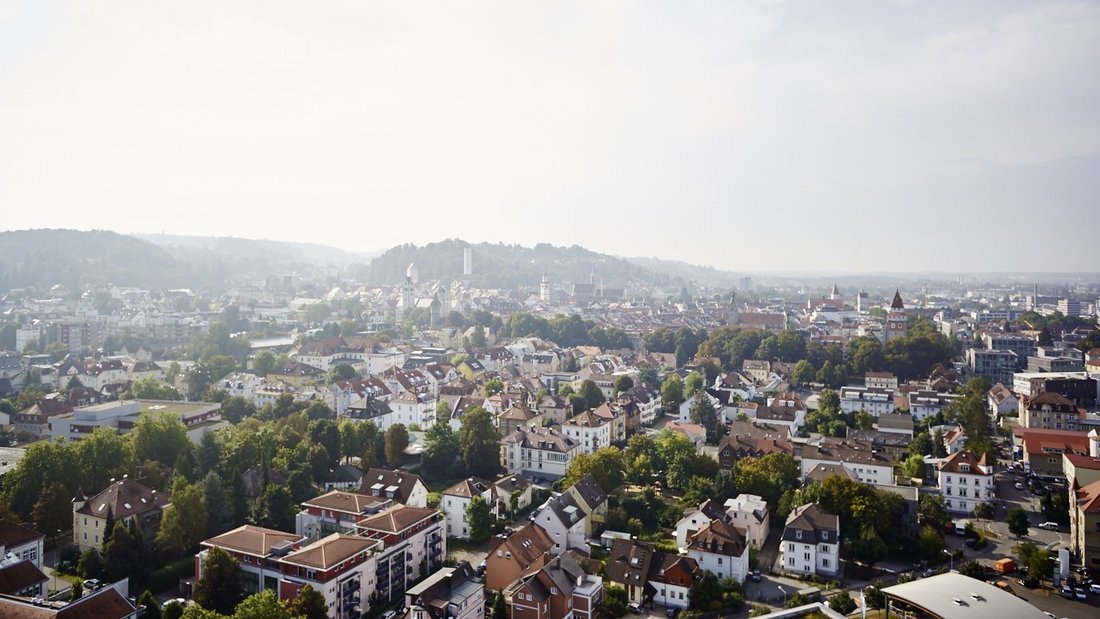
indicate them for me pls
(831, 136)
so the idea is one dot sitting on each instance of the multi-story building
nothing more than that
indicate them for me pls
(397, 486)
(750, 512)
(996, 365)
(1043, 449)
(719, 547)
(21, 543)
(897, 321)
(257, 551)
(880, 380)
(336, 512)
(811, 542)
(560, 590)
(340, 567)
(648, 574)
(526, 549)
(589, 430)
(538, 452)
(563, 521)
(863, 460)
(874, 400)
(455, 500)
(1050, 411)
(414, 545)
(1084, 523)
(449, 593)
(124, 500)
(1024, 346)
(592, 500)
(965, 481)
(927, 403)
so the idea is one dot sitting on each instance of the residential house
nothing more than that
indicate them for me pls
(1001, 400)
(538, 452)
(449, 593)
(899, 424)
(1050, 411)
(414, 545)
(554, 407)
(513, 493)
(880, 380)
(695, 518)
(21, 542)
(874, 400)
(589, 430)
(965, 481)
(456, 500)
(925, 403)
(340, 567)
(124, 500)
(866, 462)
(750, 513)
(20, 577)
(1084, 523)
(649, 575)
(693, 432)
(785, 409)
(516, 416)
(257, 551)
(1043, 449)
(526, 549)
(106, 603)
(720, 548)
(564, 521)
(747, 439)
(811, 542)
(593, 502)
(648, 401)
(560, 590)
(398, 486)
(336, 512)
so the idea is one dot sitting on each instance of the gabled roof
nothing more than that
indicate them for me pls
(12, 534)
(812, 521)
(718, 537)
(124, 498)
(469, 488)
(396, 519)
(252, 540)
(347, 502)
(1088, 497)
(19, 576)
(897, 302)
(589, 492)
(525, 545)
(330, 551)
(405, 483)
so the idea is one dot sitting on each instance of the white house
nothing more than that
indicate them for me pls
(588, 429)
(965, 481)
(695, 518)
(455, 500)
(563, 520)
(874, 400)
(750, 513)
(924, 404)
(811, 542)
(862, 459)
(537, 452)
(720, 548)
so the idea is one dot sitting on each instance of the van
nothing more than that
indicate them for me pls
(960, 527)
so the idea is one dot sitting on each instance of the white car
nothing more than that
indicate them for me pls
(182, 602)
(1049, 526)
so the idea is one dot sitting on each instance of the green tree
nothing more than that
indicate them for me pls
(237, 408)
(767, 477)
(340, 372)
(930, 542)
(493, 386)
(694, 383)
(922, 444)
(984, 511)
(124, 555)
(219, 584)
(275, 508)
(500, 607)
(842, 603)
(76, 591)
(605, 465)
(310, 604)
(932, 512)
(219, 509)
(149, 388)
(702, 412)
(184, 523)
(479, 443)
(53, 510)
(263, 363)
(90, 564)
(161, 437)
(148, 602)
(622, 383)
(397, 439)
(441, 452)
(913, 467)
(593, 396)
(828, 402)
(672, 392)
(262, 605)
(478, 340)
(1017, 522)
(803, 373)
(480, 519)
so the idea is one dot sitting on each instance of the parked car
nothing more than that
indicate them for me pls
(672, 612)
(1018, 485)
(756, 575)
(1094, 589)
(389, 614)
(167, 603)
(634, 608)
(92, 584)
(1080, 593)
(1067, 593)
(1049, 526)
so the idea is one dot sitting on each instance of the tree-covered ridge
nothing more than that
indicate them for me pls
(73, 258)
(507, 266)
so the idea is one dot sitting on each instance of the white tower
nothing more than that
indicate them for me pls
(544, 289)
(467, 261)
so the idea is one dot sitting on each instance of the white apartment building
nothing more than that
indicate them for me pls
(537, 452)
(965, 481)
(811, 542)
(591, 431)
(874, 400)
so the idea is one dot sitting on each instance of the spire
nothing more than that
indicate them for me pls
(897, 302)
(836, 293)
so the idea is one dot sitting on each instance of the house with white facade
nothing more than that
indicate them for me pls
(874, 400)
(455, 500)
(539, 452)
(862, 459)
(750, 513)
(965, 481)
(589, 430)
(398, 486)
(721, 549)
(924, 404)
(450, 593)
(563, 520)
(811, 542)
(1001, 400)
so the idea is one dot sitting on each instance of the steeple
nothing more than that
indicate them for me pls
(835, 294)
(897, 302)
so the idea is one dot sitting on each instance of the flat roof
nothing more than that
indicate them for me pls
(954, 596)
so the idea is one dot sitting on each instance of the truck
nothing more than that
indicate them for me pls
(1005, 566)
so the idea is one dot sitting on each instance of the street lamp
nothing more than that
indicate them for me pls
(952, 555)
(784, 595)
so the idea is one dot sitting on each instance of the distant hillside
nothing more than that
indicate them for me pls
(509, 266)
(706, 276)
(43, 258)
(269, 252)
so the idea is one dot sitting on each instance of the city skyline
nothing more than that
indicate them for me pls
(751, 137)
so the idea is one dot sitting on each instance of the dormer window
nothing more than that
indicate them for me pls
(798, 534)
(825, 535)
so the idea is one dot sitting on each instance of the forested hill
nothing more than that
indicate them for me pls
(43, 258)
(508, 266)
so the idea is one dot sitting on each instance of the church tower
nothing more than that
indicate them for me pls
(544, 289)
(897, 321)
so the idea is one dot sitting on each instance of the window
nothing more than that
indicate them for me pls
(805, 556)
(719, 560)
(824, 563)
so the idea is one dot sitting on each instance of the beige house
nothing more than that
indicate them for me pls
(124, 500)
